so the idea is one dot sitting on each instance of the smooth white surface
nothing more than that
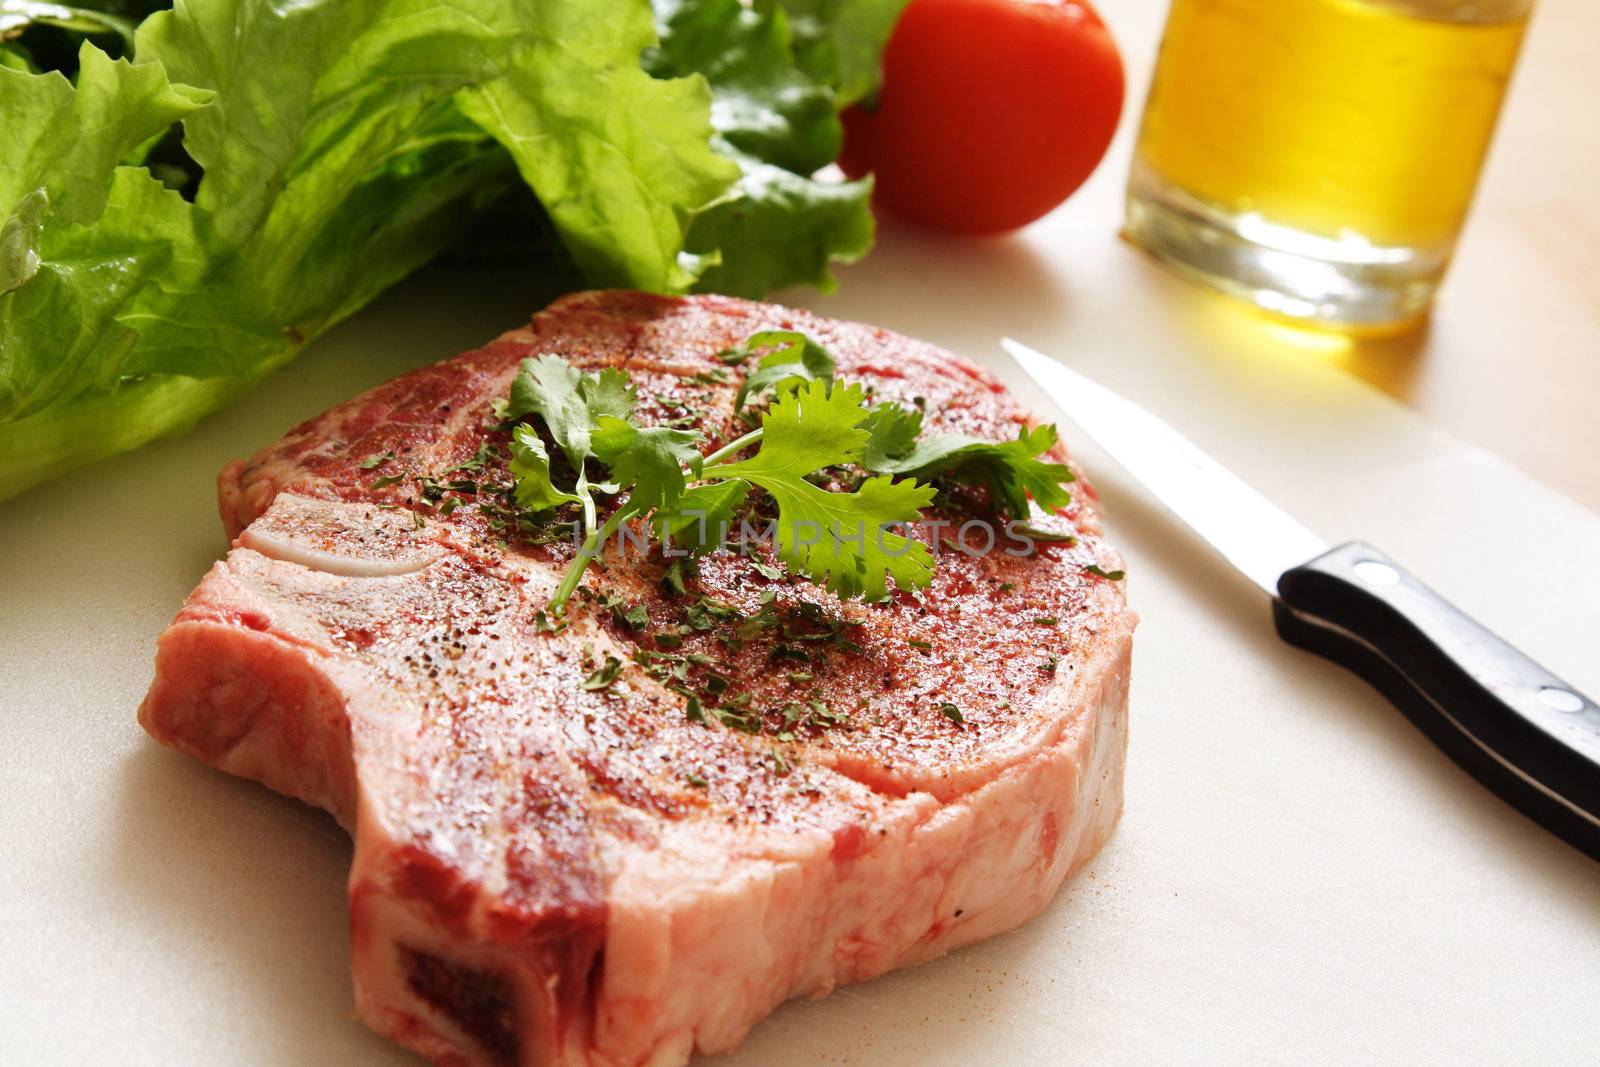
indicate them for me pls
(1299, 875)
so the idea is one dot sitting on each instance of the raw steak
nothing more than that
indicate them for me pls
(551, 874)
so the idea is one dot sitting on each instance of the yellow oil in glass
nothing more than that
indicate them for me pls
(1361, 124)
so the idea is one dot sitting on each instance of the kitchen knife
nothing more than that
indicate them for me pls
(1517, 728)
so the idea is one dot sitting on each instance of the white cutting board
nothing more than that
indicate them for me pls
(1298, 875)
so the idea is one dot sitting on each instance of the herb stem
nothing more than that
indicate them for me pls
(595, 538)
(582, 491)
(732, 448)
(587, 551)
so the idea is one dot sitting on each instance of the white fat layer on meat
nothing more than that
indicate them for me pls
(269, 543)
(349, 540)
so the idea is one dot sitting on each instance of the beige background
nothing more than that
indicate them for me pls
(1298, 876)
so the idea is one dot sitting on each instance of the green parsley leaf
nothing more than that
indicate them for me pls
(673, 578)
(530, 466)
(604, 675)
(375, 460)
(648, 461)
(768, 571)
(485, 454)
(1009, 470)
(708, 613)
(951, 712)
(837, 539)
(891, 431)
(812, 426)
(794, 360)
(1114, 576)
(703, 515)
(569, 401)
(1043, 536)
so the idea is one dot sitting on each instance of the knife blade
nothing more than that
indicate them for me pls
(1523, 732)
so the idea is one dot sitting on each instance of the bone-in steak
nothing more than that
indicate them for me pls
(549, 873)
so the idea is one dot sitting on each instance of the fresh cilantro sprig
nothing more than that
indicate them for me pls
(1010, 470)
(842, 540)
(571, 404)
(530, 466)
(837, 539)
(791, 360)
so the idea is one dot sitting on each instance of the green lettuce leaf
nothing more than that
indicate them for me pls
(781, 229)
(619, 159)
(15, 57)
(764, 104)
(781, 224)
(840, 42)
(176, 224)
(83, 239)
(48, 35)
(335, 161)
(338, 153)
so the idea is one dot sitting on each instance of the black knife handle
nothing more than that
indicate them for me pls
(1527, 735)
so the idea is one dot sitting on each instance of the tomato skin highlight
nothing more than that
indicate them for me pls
(991, 112)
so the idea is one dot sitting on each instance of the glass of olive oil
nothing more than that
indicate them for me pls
(1317, 157)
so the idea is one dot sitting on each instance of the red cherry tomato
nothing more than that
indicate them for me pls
(991, 112)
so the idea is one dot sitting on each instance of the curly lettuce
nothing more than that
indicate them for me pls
(188, 195)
